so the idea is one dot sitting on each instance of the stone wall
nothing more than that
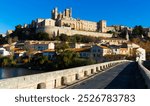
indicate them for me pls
(57, 79)
(66, 30)
(146, 74)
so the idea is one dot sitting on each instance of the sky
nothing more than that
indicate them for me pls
(116, 12)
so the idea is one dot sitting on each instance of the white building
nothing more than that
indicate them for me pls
(113, 41)
(84, 52)
(99, 51)
(141, 54)
(132, 48)
(123, 51)
(39, 45)
(3, 52)
(115, 49)
(19, 52)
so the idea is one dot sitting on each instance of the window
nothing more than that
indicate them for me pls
(94, 50)
(84, 54)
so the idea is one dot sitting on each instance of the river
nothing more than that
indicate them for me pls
(15, 72)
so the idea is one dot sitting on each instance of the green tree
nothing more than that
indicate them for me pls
(42, 59)
(64, 38)
(61, 47)
(29, 53)
(18, 27)
(78, 38)
(7, 61)
(138, 31)
(42, 36)
(73, 39)
(38, 60)
(3, 40)
(66, 59)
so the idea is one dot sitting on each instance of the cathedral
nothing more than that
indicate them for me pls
(63, 22)
(65, 19)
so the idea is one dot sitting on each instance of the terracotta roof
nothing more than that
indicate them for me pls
(123, 48)
(20, 51)
(49, 50)
(104, 47)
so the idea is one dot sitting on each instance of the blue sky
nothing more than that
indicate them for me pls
(118, 12)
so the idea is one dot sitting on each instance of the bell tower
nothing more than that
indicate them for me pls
(54, 13)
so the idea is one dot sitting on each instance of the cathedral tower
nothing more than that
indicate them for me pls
(55, 13)
(102, 25)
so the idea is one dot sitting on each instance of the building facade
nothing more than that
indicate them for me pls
(39, 45)
(4, 52)
(141, 54)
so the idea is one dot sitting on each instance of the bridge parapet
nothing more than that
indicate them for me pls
(56, 79)
(145, 72)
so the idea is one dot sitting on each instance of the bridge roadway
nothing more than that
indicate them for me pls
(124, 76)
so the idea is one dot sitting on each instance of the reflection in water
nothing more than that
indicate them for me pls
(15, 72)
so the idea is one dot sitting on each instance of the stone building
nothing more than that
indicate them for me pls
(64, 23)
(113, 41)
(65, 19)
(141, 54)
(4, 52)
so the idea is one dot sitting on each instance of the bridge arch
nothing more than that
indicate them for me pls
(55, 83)
(85, 73)
(63, 80)
(41, 85)
(97, 69)
(101, 68)
(77, 76)
(106, 65)
(92, 71)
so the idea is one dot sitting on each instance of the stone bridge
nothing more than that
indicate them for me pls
(122, 74)
(57, 79)
(145, 73)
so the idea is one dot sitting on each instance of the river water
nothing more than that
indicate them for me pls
(15, 72)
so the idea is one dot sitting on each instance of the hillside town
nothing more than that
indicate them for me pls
(49, 38)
